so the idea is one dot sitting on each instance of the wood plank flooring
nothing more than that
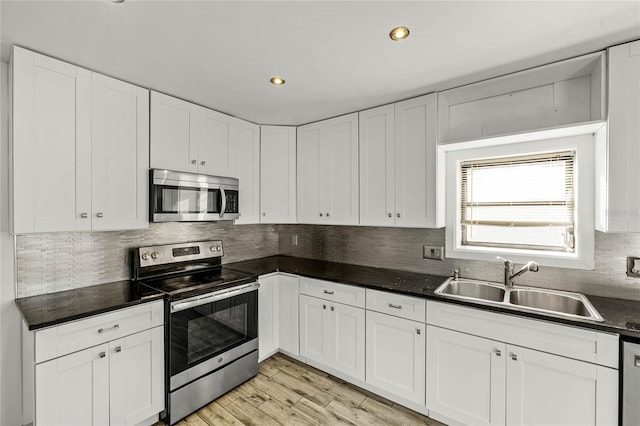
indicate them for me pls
(287, 392)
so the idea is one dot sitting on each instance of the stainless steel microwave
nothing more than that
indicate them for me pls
(188, 197)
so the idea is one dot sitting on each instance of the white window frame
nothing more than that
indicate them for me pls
(583, 257)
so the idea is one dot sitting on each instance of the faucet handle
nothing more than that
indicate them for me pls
(456, 274)
(506, 261)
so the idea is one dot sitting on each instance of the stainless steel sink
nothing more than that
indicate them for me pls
(573, 304)
(473, 289)
(551, 302)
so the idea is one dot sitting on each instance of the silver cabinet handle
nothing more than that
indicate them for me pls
(636, 360)
(514, 356)
(194, 162)
(264, 213)
(84, 215)
(394, 306)
(324, 306)
(389, 214)
(204, 163)
(320, 214)
(418, 331)
(398, 215)
(99, 215)
(333, 308)
(328, 292)
(498, 352)
(118, 349)
(104, 330)
(102, 355)
(327, 214)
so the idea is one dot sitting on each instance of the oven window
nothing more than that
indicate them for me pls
(205, 331)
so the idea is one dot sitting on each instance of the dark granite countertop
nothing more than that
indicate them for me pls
(55, 308)
(620, 316)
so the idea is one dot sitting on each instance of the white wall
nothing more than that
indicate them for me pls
(10, 321)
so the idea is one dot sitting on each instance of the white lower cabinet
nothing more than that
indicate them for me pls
(115, 382)
(333, 334)
(267, 316)
(478, 380)
(288, 333)
(465, 377)
(395, 355)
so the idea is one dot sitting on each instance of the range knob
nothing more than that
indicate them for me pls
(215, 248)
(145, 256)
(155, 255)
(218, 248)
(212, 248)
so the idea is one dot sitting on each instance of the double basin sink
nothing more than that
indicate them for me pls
(550, 302)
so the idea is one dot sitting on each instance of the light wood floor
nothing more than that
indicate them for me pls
(286, 392)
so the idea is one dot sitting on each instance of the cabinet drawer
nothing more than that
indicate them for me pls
(77, 335)
(397, 305)
(341, 293)
(572, 342)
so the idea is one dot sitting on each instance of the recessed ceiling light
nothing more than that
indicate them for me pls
(399, 33)
(277, 81)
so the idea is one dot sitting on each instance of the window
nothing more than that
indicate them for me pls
(523, 202)
(530, 200)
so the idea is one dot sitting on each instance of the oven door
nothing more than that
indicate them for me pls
(210, 331)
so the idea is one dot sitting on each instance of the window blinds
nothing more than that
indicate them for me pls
(519, 202)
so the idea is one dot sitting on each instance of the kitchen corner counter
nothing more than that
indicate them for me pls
(55, 308)
(620, 316)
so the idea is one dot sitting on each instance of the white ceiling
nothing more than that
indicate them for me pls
(335, 55)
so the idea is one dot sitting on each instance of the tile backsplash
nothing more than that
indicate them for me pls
(52, 262)
(60, 261)
(401, 248)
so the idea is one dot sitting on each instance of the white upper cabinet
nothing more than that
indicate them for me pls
(189, 138)
(328, 171)
(120, 154)
(277, 174)
(80, 148)
(244, 157)
(561, 94)
(400, 184)
(618, 152)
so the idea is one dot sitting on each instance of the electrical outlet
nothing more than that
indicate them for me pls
(633, 267)
(433, 252)
(294, 240)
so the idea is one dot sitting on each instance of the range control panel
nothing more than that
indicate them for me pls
(171, 253)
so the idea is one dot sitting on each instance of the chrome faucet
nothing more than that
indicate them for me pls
(509, 275)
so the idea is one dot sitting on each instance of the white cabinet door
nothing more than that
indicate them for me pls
(545, 389)
(214, 147)
(347, 332)
(395, 355)
(288, 314)
(309, 175)
(466, 377)
(618, 153)
(174, 144)
(136, 365)
(73, 389)
(339, 171)
(377, 179)
(245, 157)
(277, 174)
(315, 338)
(120, 154)
(267, 317)
(416, 177)
(51, 144)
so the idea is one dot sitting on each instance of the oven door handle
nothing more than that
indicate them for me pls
(212, 297)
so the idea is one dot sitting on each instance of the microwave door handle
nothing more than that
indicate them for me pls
(224, 202)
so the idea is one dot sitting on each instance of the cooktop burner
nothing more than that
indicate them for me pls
(182, 286)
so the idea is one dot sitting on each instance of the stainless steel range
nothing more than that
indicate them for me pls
(211, 321)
